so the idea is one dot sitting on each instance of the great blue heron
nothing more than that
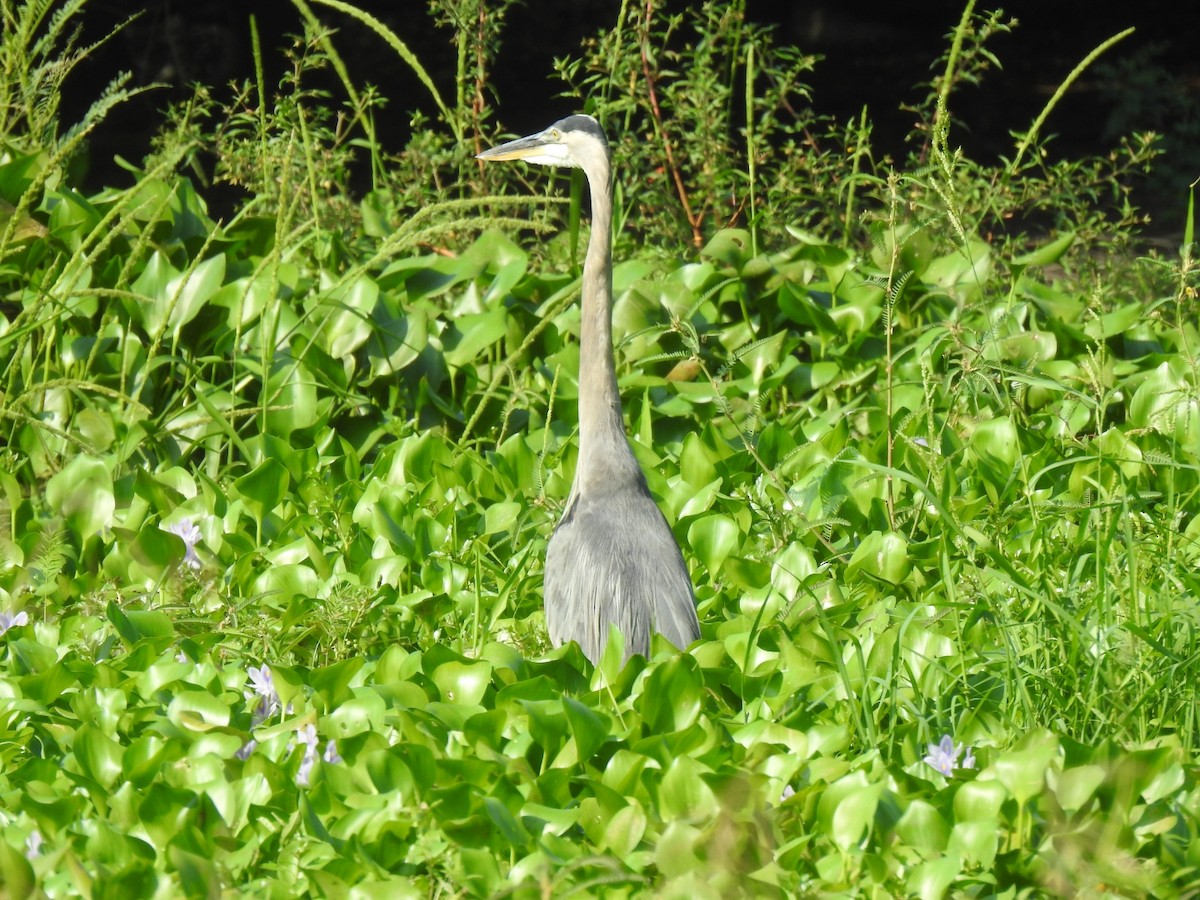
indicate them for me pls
(612, 559)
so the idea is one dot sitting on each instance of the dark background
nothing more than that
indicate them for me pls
(875, 54)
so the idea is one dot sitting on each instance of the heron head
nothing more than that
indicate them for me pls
(575, 141)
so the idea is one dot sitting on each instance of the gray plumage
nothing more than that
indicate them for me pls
(612, 558)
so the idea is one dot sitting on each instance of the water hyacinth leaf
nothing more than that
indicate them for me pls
(463, 683)
(514, 832)
(979, 801)
(98, 756)
(198, 875)
(197, 710)
(332, 683)
(189, 291)
(675, 851)
(931, 879)
(683, 793)
(291, 398)
(157, 550)
(16, 874)
(264, 487)
(854, 815)
(1075, 786)
(589, 727)
(1023, 770)
(364, 713)
(624, 831)
(922, 826)
(671, 698)
(349, 326)
(471, 334)
(976, 841)
(882, 555)
(83, 494)
(995, 440)
(712, 539)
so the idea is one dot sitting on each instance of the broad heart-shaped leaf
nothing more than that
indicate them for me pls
(359, 714)
(463, 683)
(1023, 770)
(349, 324)
(1166, 402)
(671, 696)
(157, 550)
(713, 538)
(847, 808)
(683, 793)
(979, 801)
(332, 683)
(470, 334)
(624, 830)
(189, 291)
(996, 441)
(291, 398)
(589, 727)
(82, 493)
(263, 487)
(98, 756)
(151, 305)
(883, 555)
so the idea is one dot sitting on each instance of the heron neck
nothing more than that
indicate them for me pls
(604, 452)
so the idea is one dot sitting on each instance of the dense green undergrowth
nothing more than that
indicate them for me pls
(276, 493)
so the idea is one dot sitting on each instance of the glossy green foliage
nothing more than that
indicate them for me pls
(275, 501)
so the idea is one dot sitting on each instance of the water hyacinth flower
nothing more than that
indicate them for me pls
(308, 737)
(12, 620)
(331, 754)
(187, 532)
(33, 845)
(264, 690)
(246, 749)
(943, 756)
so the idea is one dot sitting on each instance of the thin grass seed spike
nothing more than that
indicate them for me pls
(612, 559)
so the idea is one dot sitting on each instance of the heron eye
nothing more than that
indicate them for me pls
(554, 134)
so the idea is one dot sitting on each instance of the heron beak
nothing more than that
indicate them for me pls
(521, 148)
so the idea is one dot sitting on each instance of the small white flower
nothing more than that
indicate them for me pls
(187, 532)
(331, 754)
(12, 620)
(308, 737)
(33, 844)
(264, 689)
(943, 756)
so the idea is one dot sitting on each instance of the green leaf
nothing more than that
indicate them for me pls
(264, 487)
(463, 683)
(83, 494)
(672, 695)
(882, 555)
(589, 728)
(713, 538)
(98, 756)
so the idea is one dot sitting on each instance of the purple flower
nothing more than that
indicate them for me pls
(264, 689)
(33, 844)
(943, 756)
(331, 754)
(308, 737)
(246, 749)
(190, 535)
(12, 620)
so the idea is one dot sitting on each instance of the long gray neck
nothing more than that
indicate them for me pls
(604, 452)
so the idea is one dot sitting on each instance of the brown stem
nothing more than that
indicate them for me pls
(676, 175)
